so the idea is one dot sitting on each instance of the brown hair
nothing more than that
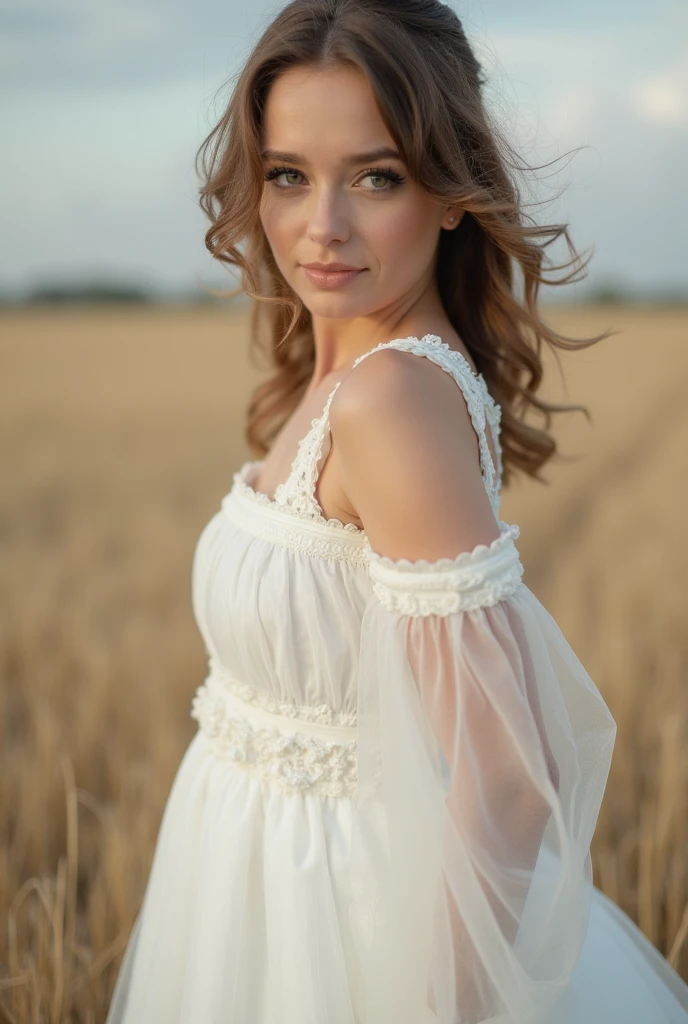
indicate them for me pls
(428, 83)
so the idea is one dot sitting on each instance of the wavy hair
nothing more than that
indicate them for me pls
(428, 85)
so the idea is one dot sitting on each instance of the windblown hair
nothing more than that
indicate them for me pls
(428, 85)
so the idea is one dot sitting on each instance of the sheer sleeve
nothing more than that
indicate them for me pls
(483, 753)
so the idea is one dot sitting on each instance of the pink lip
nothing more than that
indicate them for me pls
(331, 275)
(329, 267)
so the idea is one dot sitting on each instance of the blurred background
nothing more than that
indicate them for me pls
(123, 391)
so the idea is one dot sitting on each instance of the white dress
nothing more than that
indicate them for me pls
(385, 815)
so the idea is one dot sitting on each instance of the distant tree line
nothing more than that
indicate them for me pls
(103, 293)
(106, 293)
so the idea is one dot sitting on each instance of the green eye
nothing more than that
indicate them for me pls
(386, 174)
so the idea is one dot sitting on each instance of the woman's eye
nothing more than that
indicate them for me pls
(383, 181)
(278, 172)
(379, 178)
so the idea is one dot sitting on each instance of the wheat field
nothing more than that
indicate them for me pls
(120, 429)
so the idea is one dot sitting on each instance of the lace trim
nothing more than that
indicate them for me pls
(474, 579)
(481, 405)
(323, 714)
(302, 534)
(296, 505)
(298, 491)
(294, 762)
(493, 412)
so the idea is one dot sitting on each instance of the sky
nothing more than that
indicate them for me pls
(103, 105)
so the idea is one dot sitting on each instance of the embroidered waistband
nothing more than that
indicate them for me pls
(292, 746)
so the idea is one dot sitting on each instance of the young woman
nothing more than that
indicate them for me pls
(386, 813)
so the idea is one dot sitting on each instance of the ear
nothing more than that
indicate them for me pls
(452, 218)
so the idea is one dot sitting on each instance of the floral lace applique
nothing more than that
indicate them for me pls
(297, 493)
(293, 761)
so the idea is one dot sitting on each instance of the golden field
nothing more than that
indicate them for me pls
(120, 429)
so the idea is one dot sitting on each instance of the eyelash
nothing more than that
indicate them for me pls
(379, 172)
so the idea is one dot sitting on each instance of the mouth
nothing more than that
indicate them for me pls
(331, 275)
(330, 268)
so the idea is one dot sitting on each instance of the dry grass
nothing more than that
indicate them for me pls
(119, 432)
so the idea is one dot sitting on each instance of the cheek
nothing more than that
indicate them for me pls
(273, 223)
(283, 223)
(403, 229)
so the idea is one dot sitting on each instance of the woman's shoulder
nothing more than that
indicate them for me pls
(407, 443)
(390, 388)
(393, 370)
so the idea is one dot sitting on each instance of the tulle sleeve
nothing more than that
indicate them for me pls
(483, 754)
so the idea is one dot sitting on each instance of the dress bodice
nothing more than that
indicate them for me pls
(279, 590)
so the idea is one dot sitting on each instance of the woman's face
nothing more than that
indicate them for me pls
(328, 198)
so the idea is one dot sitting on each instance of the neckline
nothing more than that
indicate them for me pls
(250, 466)
(244, 485)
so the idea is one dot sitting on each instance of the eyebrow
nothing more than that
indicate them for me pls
(354, 158)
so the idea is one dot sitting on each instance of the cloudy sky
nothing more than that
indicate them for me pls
(104, 103)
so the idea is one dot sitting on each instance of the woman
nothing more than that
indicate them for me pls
(386, 813)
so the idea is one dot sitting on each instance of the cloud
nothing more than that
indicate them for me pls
(664, 97)
(625, 124)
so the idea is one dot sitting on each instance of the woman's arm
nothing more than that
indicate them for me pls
(483, 745)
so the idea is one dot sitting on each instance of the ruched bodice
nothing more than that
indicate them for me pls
(279, 594)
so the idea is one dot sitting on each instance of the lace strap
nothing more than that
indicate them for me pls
(484, 411)
(298, 490)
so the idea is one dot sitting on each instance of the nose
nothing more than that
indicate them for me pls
(328, 217)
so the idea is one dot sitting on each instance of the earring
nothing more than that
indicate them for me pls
(452, 219)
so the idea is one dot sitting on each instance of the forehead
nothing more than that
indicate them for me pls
(323, 112)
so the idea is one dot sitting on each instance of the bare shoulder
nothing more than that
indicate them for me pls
(410, 458)
(389, 376)
(397, 394)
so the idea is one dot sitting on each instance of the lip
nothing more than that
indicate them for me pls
(331, 275)
(330, 267)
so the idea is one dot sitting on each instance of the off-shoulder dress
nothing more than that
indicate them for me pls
(385, 814)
